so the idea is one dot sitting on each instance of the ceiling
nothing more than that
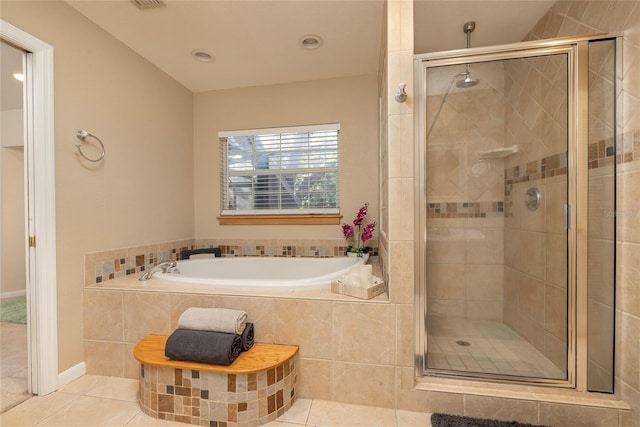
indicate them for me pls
(256, 42)
(253, 42)
(438, 24)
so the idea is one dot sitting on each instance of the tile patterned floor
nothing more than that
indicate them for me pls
(13, 365)
(94, 400)
(493, 348)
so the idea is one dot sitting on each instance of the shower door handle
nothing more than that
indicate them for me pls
(566, 216)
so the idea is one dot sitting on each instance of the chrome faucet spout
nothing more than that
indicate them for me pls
(164, 266)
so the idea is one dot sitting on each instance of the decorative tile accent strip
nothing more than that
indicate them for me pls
(466, 210)
(288, 250)
(217, 399)
(555, 165)
(601, 154)
(112, 264)
(628, 147)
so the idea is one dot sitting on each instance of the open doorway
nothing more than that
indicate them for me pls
(14, 357)
(39, 176)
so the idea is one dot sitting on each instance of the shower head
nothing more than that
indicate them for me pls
(468, 28)
(467, 81)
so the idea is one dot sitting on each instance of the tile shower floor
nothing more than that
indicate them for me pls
(94, 400)
(484, 346)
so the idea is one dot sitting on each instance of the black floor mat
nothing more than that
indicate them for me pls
(444, 420)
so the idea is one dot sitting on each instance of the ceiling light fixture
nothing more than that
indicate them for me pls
(310, 41)
(148, 4)
(18, 76)
(201, 56)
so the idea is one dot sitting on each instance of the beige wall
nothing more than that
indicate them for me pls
(12, 267)
(397, 156)
(12, 261)
(535, 241)
(352, 102)
(143, 190)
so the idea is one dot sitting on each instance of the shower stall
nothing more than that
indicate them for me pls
(516, 165)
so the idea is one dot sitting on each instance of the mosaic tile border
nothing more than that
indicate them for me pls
(216, 399)
(466, 210)
(113, 264)
(555, 165)
(601, 154)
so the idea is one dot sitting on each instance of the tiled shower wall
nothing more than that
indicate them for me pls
(112, 264)
(568, 18)
(465, 208)
(535, 270)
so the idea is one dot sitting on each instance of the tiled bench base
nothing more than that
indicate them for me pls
(213, 395)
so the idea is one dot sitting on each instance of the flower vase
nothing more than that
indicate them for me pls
(364, 256)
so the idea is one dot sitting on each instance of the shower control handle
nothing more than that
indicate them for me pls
(532, 198)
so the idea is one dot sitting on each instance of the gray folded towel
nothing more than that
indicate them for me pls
(213, 319)
(203, 346)
(247, 337)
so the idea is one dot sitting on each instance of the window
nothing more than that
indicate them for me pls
(283, 171)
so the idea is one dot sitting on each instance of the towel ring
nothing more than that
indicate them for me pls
(82, 135)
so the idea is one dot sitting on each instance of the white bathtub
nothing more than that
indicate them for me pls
(261, 272)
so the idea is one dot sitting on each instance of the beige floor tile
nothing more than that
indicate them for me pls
(36, 409)
(95, 401)
(143, 420)
(333, 414)
(277, 423)
(93, 411)
(413, 419)
(298, 413)
(83, 384)
(115, 388)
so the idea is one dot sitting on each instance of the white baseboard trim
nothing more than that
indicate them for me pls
(71, 374)
(13, 294)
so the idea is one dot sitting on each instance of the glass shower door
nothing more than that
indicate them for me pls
(496, 185)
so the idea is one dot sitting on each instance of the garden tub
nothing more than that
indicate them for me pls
(261, 272)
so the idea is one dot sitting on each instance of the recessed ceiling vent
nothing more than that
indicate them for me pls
(148, 4)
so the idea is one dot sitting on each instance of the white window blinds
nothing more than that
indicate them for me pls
(291, 170)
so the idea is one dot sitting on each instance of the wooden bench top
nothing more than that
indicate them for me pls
(261, 357)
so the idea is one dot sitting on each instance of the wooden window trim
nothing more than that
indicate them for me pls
(305, 219)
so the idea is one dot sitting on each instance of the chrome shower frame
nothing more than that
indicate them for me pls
(576, 51)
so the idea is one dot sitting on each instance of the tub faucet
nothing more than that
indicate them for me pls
(164, 266)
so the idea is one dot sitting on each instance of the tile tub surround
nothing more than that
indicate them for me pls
(205, 398)
(351, 351)
(116, 263)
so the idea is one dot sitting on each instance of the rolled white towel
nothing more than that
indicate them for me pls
(213, 319)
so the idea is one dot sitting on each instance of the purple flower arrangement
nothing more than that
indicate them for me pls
(358, 233)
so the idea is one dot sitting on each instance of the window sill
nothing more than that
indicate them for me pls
(308, 219)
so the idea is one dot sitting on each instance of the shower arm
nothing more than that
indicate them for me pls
(468, 29)
(444, 99)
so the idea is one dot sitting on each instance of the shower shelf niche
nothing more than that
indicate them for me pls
(498, 153)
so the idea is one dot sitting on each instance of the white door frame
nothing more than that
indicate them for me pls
(39, 150)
